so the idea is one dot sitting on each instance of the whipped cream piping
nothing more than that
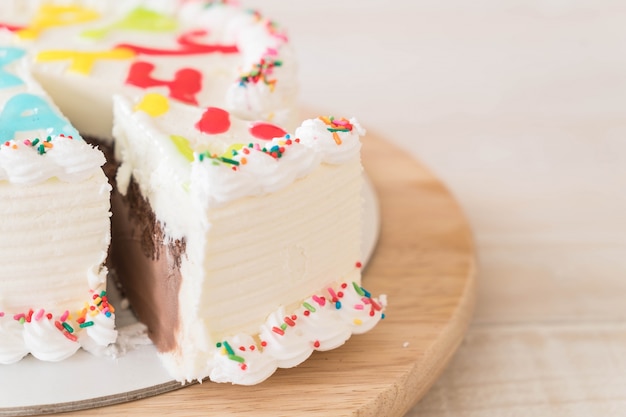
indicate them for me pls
(258, 168)
(32, 161)
(54, 336)
(324, 321)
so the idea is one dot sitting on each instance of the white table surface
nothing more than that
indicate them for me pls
(519, 106)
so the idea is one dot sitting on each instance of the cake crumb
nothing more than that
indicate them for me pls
(405, 344)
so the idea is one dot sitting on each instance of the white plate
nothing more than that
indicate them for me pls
(83, 381)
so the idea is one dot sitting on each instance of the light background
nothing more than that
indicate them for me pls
(519, 107)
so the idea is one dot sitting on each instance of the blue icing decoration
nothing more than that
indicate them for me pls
(8, 55)
(25, 112)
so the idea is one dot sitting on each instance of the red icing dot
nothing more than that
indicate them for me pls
(264, 343)
(186, 84)
(316, 344)
(359, 264)
(307, 313)
(12, 28)
(214, 121)
(266, 131)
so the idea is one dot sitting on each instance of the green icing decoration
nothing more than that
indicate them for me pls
(140, 19)
(233, 150)
(183, 147)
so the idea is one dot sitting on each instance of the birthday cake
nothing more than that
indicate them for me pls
(235, 231)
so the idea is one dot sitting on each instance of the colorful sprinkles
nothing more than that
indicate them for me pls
(262, 71)
(331, 295)
(337, 125)
(228, 350)
(237, 155)
(41, 146)
(66, 323)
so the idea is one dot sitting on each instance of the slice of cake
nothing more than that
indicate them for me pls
(236, 242)
(54, 229)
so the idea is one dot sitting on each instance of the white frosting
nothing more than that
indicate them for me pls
(102, 331)
(12, 348)
(70, 160)
(46, 339)
(45, 342)
(288, 339)
(246, 365)
(315, 135)
(290, 347)
(325, 326)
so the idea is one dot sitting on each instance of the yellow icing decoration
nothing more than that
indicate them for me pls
(154, 104)
(183, 147)
(83, 62)
(232, 149)
(140, 19)
(49, 16)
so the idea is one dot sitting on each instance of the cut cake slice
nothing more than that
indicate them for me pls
(254, 235)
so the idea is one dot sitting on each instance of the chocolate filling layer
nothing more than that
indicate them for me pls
(145, 262)
(147, 265)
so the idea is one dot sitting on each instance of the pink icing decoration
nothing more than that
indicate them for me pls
(188, 46)
(11, 28)
(266, 131)
(214, 121)
(186, 84)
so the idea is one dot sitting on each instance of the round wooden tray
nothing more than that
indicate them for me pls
(425, 264)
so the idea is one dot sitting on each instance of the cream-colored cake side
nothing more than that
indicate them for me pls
(261, 255)
(53, 243)
(55, 230)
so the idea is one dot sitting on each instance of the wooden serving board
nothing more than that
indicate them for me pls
(425, 264)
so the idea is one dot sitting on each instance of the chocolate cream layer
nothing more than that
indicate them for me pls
(144, 262)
